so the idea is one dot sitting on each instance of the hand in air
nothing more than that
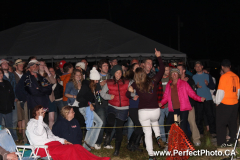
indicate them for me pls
(157, 53)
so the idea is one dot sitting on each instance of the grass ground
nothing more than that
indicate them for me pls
(207, 143)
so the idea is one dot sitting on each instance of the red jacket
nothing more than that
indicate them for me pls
(184, 90)
(119, 91)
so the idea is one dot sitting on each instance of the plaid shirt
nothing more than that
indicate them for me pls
(160, 92)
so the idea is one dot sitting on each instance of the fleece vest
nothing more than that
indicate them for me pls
(119, 91)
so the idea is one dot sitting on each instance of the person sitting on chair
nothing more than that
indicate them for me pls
(67, 126)
(58, 148)
(5, 155)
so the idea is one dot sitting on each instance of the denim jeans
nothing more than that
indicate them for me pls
(92, 134)
(59, 105)
(129, 129)
(102, 113)
(65, 103)
(8, 124)
(163, 113)
(14, 116)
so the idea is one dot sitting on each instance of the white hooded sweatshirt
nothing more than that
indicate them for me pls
(40, 133)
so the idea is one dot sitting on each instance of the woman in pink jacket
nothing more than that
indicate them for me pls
(176, 95)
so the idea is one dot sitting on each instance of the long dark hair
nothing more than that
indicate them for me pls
(130, 73)
(143, 82)
(115, 81)
(92, 86)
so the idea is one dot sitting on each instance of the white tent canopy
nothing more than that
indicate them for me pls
(80, 38)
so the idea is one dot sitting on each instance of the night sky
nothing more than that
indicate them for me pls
(210, 29)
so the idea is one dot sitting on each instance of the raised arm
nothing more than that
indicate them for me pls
(161, 71)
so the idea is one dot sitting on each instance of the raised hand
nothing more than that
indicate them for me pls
(157, 53)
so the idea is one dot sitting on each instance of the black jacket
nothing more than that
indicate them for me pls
(7, 97)
(69, 130)
(85, 95)
(193, 86)
(38, 91)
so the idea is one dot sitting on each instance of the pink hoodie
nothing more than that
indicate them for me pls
(184, 90)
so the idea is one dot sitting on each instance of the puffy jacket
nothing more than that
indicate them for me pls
(119, 91)
(65, 78)
(184, 90)
(6, 97)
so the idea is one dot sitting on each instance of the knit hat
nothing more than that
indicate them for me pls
(175, 70)
(115, 69)
(94, 75)
(80, 64)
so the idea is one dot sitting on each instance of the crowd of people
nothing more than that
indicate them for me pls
(68, 107)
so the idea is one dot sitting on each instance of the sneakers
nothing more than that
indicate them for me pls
(161, 143)
(97, 146)
(226, 145)
(197, 144)
(108, 147)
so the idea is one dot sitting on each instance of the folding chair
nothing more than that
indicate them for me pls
(37, 147)
(7, 142)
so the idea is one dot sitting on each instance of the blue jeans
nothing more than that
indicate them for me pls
(130, 129)
(163, 113)
(65, 103)
(92, 134)
(8, 124)
(102, 113)
(59, 105)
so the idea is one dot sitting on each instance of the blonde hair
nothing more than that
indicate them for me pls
(144, 84)
(65, 111)
(72, 79)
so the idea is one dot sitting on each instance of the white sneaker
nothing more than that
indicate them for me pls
(108, 147)
(97, 146)
(197, 144)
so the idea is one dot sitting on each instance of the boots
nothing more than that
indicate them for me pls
(137, 143)
(161, 143)
(131, 142)
(117, 148)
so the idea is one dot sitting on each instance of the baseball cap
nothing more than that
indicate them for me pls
(3, 60)
(226, 63)
(32, 62)
(198, 62)
(80, 64)
(62, 62)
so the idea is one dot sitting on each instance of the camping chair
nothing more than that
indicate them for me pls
(7, 142)
(37, 147)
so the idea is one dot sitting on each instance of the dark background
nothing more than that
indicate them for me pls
(209, 29)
